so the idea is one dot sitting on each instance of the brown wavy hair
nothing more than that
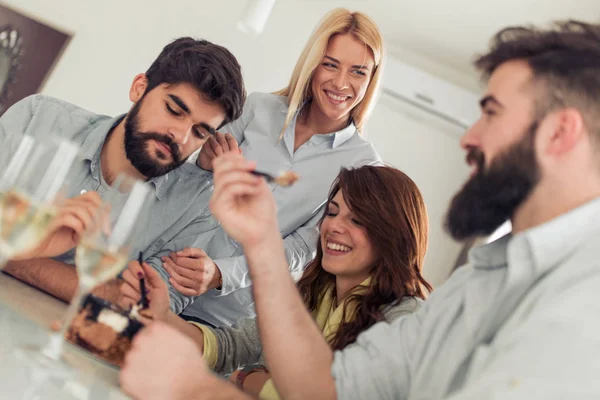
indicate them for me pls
(391, 209)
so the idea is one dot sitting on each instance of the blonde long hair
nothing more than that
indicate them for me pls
(337, 22)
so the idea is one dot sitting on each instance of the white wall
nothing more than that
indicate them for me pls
(114, 40)
(428, 151)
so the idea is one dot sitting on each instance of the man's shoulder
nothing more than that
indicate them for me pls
(266, 102)
(407, 305)
(48, 104)
(55, 116)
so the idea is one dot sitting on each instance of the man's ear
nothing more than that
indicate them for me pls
(567, 131)
(138, 87)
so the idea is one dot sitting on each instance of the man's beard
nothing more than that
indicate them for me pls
(492, 195)
(136, 147)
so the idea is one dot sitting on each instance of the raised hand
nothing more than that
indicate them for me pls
(215, 146)
(241, 201)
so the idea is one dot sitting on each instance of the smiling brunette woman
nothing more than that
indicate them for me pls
(373, 238)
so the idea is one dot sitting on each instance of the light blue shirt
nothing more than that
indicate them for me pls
(299, 207)
(178, 217)
(520, 321)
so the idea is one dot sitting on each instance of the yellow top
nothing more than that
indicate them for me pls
(327, 317)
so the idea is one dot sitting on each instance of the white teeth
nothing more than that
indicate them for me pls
(338, 247)
(337, 98)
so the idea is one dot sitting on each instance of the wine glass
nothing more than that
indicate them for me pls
(29, 192)
(103, 251)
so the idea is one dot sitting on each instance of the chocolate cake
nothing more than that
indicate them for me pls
(104, 329)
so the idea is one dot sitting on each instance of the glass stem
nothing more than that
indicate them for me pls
(54, 348)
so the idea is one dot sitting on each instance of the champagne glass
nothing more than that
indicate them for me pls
(29, 190)
(103, 251)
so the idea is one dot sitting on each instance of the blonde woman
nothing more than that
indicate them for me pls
(312, 127)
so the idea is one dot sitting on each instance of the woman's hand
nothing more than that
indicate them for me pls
(243, 202)
(215, 146)
(157, 291)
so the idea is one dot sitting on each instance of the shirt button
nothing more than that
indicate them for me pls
(83, 191)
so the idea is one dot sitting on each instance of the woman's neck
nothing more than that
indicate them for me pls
(311, 121)
(345, 286)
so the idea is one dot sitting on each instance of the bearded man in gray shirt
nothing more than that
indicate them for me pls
(192, 89)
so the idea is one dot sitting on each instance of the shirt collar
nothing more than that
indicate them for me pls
(548, 243)
(91, 147)
(490, 255)
(335, 138)
(557, 239)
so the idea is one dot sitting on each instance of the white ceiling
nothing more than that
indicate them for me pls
(440, 36)
(449, 33)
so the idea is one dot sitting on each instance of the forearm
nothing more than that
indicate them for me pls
(284, 323)
(187, 329)
(222, 390)
(54, 277)
(254, 383)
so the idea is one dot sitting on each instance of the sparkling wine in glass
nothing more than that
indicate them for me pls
(29, 192)
(103, 251)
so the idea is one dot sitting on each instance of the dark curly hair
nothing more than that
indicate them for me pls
(391, 209)
(208, 67)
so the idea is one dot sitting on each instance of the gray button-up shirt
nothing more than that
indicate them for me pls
(520, 321)
(299, 207)
(178, 216)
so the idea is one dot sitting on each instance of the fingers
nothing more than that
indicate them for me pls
(78, 213)
(223, 142)
(129, 289)
(183, 290)
(129, 301)
(190, 252)
(135, 269)
(184, 281)
(231, 142)
(76, 218)
(153, 277)
(131, 275)
(216, 148)
(226, 143)
(206, 157)
(191, 273)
